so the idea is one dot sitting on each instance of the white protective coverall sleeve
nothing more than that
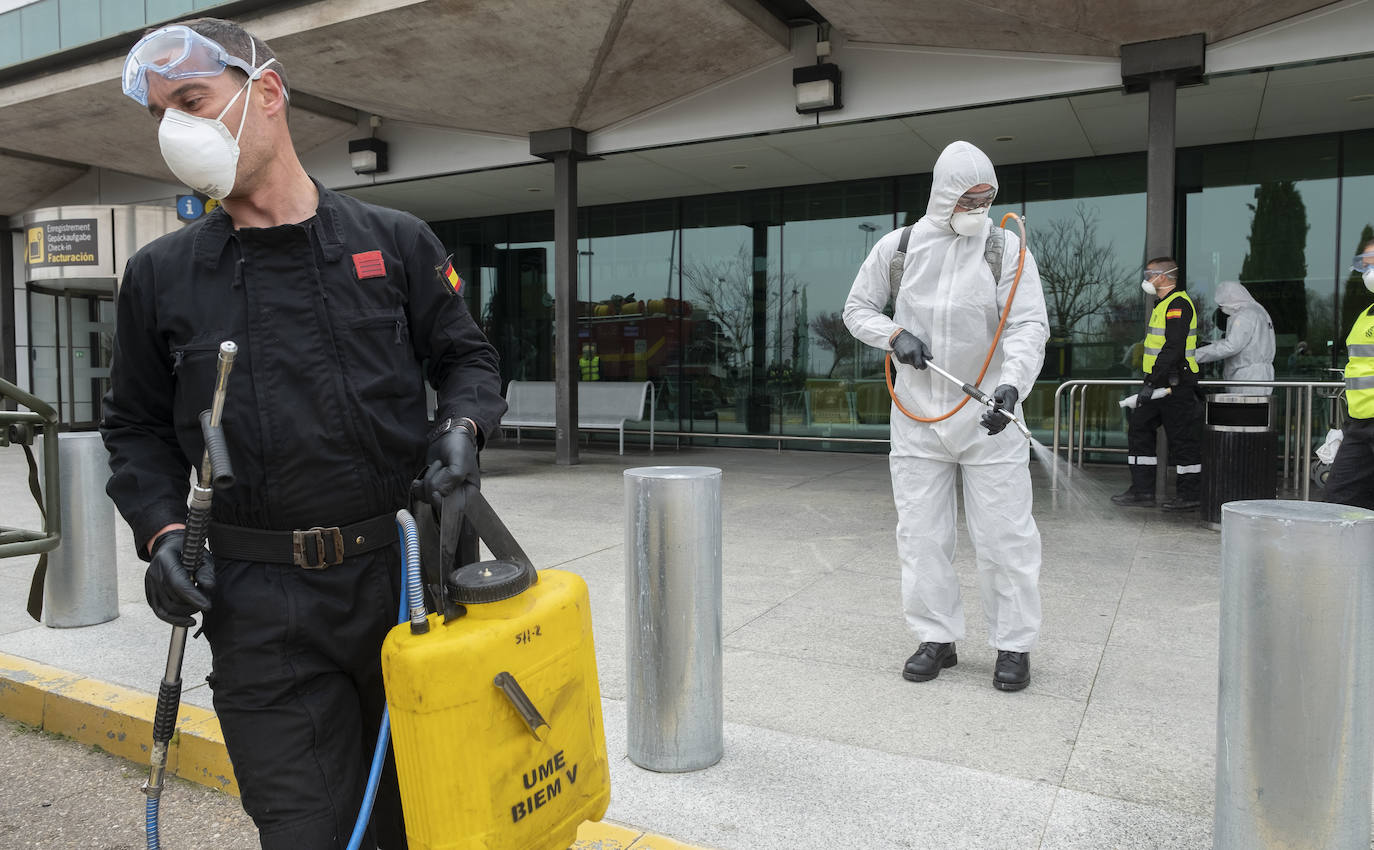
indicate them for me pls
(949, 298)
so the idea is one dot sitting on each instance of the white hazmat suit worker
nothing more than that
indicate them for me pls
(947, 310)
(1247, 351)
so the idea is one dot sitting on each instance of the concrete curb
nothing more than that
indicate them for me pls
(118, 720)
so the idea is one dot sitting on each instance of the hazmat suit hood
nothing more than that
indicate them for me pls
(961, 166)
(1232, 296)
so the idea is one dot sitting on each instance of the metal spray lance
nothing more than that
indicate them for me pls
(982, 398)
(215, 474)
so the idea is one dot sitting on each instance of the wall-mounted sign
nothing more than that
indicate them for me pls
(69, 242)
(192, 207)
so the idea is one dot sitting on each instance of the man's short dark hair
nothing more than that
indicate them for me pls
(1169, 261)
(241, 43)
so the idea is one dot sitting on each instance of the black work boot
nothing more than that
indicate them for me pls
(1134, 498)
(1141, 493)
(1187, 493)
(928, 661)
(1012, 672)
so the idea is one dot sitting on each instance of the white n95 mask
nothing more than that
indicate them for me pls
(201, 151)
(1148, 287)
(968, 223)
(1368, 275)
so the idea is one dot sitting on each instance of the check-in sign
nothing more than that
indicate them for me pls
(71, 242)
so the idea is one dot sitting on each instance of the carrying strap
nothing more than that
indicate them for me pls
(40, 573)
(993, 250)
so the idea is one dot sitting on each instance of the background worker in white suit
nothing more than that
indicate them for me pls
(947, 310)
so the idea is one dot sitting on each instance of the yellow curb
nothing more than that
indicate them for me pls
(119, 720)
(605, 836)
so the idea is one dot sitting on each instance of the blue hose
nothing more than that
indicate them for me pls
(150, 824)
(411, 588)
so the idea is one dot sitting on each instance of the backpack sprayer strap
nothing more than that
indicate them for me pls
(310, 548)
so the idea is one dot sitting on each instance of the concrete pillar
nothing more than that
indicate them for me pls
(564, 147)
(1160, 67)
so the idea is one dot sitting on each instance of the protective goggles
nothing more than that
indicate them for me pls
(177, 52)
(971, 200)
(1362, 262)
(1151, 274)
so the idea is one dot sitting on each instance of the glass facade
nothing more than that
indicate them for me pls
(730, 304)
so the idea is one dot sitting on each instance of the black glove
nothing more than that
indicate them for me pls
(450, 461)
(171, 593)
(1145, 396)
(910, 349)
(1004, 398)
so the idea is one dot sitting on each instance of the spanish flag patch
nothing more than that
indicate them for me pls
(1176, 313)
(451, 277)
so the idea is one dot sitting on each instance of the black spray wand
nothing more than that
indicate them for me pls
(215, 473)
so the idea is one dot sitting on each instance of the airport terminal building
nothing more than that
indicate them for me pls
(724, 166)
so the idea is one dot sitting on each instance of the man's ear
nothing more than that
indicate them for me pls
(272, 92)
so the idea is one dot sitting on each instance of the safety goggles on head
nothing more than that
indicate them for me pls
(177, 52)
(1363, 262)
(1151, 274)
(972, 200)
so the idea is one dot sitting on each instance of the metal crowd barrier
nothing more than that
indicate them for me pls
(1297, 458)
(19, 426)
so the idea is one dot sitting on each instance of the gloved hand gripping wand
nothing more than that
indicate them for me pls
(981, 397)
(215, 473)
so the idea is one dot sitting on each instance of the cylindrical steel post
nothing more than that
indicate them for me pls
(1294, 755)
(81, 585)
(675, 705)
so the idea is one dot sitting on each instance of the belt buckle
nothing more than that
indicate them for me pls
(318, 536)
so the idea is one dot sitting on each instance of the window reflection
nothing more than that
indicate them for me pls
(730, 304)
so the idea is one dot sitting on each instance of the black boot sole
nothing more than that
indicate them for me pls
(950, 661)
(1009, 686)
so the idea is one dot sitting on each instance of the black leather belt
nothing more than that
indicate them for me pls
(310, 548)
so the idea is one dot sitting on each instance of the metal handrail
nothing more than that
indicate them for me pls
(1080, 385)
(17, 541)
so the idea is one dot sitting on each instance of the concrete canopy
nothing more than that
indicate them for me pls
(1050, 26)
(506, 68)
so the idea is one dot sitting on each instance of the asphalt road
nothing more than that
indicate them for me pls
(57, 793)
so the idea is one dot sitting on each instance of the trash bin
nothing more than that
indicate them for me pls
(1239, 452)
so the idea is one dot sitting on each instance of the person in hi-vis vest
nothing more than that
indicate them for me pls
(1170, 364)
(1351, 481)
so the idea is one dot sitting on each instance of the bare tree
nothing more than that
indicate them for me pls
(831, 335)
(724, 288)
(1079, 274)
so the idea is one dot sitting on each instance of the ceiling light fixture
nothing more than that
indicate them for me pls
(1004, 139)
(368, 156)
(818, 86)
(1360, 98)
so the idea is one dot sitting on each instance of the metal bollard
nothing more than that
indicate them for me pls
(1294, 756)
(81, 586)
(675, 706)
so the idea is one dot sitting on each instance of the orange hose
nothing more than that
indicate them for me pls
(997, 337)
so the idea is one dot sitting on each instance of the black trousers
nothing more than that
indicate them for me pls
(297, 683)
(1351, 481)
(1180, 413)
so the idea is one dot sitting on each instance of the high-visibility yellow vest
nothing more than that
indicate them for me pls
(1154, 335)
(591, 368)
(1359, 370)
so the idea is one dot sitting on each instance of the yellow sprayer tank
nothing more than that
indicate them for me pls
(496, 716)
